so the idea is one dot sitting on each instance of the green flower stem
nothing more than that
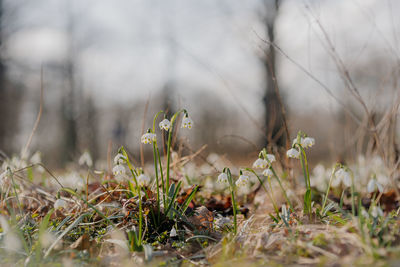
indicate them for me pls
(169, 143)
(162, 177)
(234, 206)
(329, 187)
(268, 193)
(283, 189)
(130, 166)
(155, 165)
(157, 183)
(264, 154)
(353, 204)
(140, 216)
(304, 165)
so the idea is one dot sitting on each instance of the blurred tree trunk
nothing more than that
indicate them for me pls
(69, 102)
(10, 97)
(275, 119)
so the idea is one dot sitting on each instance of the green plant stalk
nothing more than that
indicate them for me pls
(266, 191)
(140, 215)
(281, 186)
(264, 153)
(162, 177)
(157, 182)
(304, 166)
(329, 187)
(303, 159)
(169, 143)
(155, 148)
(353, 204)
(130, 166)
(233, 200)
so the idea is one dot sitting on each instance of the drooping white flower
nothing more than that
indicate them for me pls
(148, 138)
(187, 122)
(268, 172)
(243, 180)
(60, 204)
(36, 158)
(173, 233)
(143, 180)
(307, 142)
(293, 153)
(119, 172)
(271, 158)
(294, 141)
(373, 184)
(343, 176)
(46, 239)
(364, 213)
(165, 124)
(260, 163)
(12, 242)
(223, 178)
(376, 211)
(119, 159)
(85, 158)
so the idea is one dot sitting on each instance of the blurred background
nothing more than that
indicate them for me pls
(250, 73)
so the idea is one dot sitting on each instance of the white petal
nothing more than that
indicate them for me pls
(371, 186)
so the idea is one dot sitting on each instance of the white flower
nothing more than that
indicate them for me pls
(376, 211)
(187, 122)
(36, 158)
(373, 184)
(294, 141)
(268, 173)
(293, 153)
(260, 163)
(143, 180)
(173, 233)
(243, 181)
(60, 203)
(342, 176)
(223, 178)
(364, 213)
(307, 142)
(119, 159)
(165, 124)
(148, 138)
(46, 239)
(119, 172)
(271, 158)
(12, 242)
(85, 159)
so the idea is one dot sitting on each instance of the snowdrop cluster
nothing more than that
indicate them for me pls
(301, 140)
